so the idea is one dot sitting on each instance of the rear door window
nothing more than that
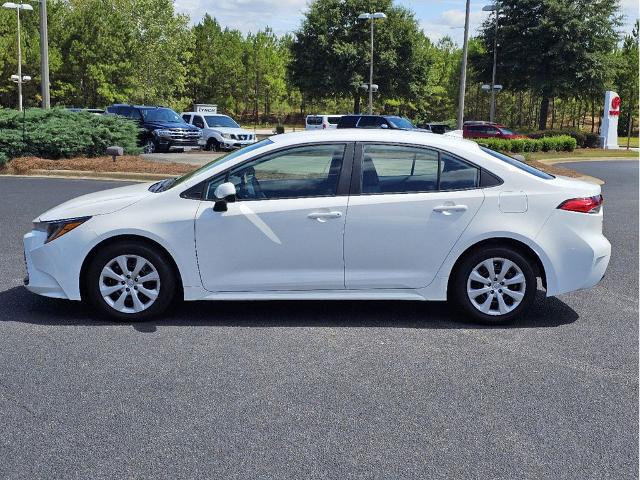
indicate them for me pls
(405, 169)
(333, 120)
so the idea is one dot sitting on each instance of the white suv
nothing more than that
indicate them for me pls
(316, 122)
(219, 132)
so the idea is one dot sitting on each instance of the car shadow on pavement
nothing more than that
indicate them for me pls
(19, 305)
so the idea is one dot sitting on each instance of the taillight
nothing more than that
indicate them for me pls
(583, 205)
(324, 125)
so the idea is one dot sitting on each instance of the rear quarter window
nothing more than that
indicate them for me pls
(333, 120)
(518, 164)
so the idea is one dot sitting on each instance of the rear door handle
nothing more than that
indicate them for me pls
(450, 208)
(324, 216)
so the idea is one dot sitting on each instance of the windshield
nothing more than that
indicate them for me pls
(400, 122)
(172, 182)
(160, 115)
(518, 164)
(221, 121)
(506, 131)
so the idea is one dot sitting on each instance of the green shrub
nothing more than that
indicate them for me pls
(583, 139)
(592, 140)
(519, 145)
(59, 133)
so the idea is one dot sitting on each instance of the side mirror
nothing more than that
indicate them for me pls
(224, 193)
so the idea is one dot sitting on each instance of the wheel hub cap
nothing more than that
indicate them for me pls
(496, 286)
(129, 283)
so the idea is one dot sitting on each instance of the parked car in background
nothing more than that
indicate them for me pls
(439, 128)
(316, 122)
(341, 215)
(375, 121)
(477, 129)
(162, 128)
(219, 132)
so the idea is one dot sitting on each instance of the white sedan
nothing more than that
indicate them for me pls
(331, 215)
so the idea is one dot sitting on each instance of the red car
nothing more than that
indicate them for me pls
(487, 130)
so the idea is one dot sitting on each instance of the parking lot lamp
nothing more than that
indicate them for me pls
(493, 8)
(463, 68)
(372, 17)
(44, 54)
(20, 79)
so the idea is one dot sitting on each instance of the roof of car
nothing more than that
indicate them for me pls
(206, 113)
(375, 135)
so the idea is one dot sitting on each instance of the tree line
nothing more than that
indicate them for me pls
(555, 59)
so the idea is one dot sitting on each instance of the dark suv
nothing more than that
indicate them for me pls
(162, 128)
(375, 121)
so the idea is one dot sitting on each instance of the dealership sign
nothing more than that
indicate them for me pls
(609, 128)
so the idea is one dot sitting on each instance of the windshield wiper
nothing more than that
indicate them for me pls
(163, 185)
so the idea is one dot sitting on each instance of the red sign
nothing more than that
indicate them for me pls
(615, 106)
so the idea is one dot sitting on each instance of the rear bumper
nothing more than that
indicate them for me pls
(577, 250)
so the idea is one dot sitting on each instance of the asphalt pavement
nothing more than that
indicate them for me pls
(307, 390)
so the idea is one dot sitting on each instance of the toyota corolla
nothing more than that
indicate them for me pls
(340, 215)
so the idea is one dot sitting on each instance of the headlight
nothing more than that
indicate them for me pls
(226, 135)
(57, 228)
(162, 133)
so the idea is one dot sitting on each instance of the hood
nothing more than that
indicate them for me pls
(169, 125)
(98, 203)
(237, 131)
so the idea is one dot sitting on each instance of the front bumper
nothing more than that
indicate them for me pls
(170, 143)
(41, 267)
(231, 144)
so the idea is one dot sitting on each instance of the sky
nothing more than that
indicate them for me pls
(437, 18)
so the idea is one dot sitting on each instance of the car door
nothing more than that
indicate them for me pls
(285, 230)
(410, 206)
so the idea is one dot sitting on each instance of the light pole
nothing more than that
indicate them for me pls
(493, 8)
(19, 80)
(463, 68)
(372, 17)
(44, 55)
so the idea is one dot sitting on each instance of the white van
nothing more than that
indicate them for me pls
(316, 122)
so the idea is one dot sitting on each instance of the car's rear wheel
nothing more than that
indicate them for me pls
(494, 285)
(130, 281)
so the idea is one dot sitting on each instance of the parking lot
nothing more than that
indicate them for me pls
(320, 389)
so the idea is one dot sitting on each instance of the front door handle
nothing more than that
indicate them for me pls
(324, 216)
(450, 208)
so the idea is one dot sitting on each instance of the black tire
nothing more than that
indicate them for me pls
(213, 145)
(166, 287)
(150, 146)
(458, 286)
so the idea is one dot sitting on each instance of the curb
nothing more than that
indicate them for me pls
(551, 161)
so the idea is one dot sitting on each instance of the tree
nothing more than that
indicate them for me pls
(554, 47)
(330, 51)
(626, 80)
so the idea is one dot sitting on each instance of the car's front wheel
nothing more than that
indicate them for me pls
(494, 285)
(130, 281)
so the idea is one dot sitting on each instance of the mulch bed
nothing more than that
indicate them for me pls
(126, 163)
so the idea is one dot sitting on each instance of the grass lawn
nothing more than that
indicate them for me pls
(582, 153)
(622, 141)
